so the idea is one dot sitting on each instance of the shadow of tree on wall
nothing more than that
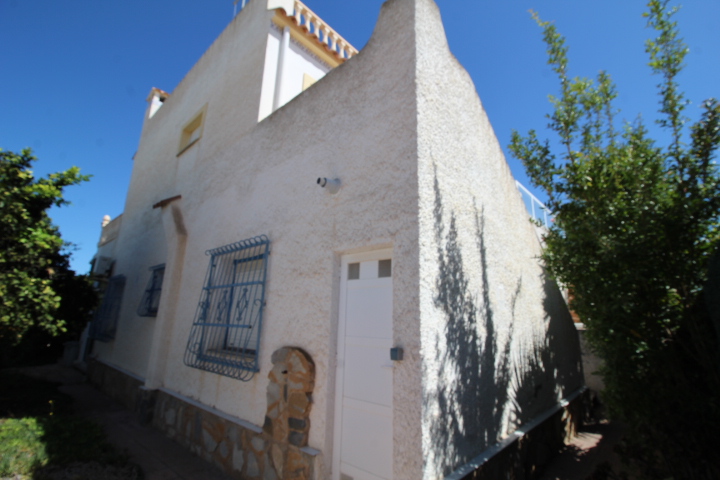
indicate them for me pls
(483, 383)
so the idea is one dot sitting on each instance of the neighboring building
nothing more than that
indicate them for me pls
(330, 280)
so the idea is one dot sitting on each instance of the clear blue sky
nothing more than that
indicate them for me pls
(75, 74)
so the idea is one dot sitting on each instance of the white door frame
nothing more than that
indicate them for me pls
(379, 254)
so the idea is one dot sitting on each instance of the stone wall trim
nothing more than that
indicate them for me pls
(209, 409)
(120, 369)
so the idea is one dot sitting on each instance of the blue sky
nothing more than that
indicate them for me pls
(76, 73)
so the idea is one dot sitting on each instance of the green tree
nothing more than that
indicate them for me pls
(636, 225)
(33, 268)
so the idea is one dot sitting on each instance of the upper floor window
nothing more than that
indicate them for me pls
(192, 131)
(225, 336)
(151, 298)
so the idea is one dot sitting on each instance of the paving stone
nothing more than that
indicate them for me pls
(223, 449)
(232, 432)
(253, 469)
(270, 473)
(170, 416)
(209, 442)
(258, 444)
(273, 393)
(280, 355)
(296, 465)
(238, 459)
(278, 459)
(297, 424)
(298, 439)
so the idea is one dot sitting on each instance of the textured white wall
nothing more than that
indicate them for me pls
(498, 344)
(159, 173)
(243, 179)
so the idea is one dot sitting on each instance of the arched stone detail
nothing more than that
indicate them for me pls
(287, 420)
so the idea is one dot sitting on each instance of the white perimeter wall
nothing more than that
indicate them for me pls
(498, 344)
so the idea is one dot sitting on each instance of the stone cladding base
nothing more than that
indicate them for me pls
(238, 448)
(277, 451)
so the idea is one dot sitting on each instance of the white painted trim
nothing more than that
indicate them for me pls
(287, 5)
(310, 451)
(284, 46)
(476, 462)
(379, 254)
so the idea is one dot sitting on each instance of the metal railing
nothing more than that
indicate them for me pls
(314, 26)
(225, 335)
(324, 33)
(538, 211)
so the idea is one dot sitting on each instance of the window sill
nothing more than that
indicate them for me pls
(231, 353)
(186, 147)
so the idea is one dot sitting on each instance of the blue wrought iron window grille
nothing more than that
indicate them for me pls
(225, 335)
(104, 324)
(151, 298)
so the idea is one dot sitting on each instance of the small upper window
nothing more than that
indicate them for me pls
(151, 298)
(192, 131)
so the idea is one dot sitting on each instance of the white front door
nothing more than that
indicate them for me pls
(363, 408)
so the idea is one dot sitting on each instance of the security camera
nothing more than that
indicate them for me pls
(331, 184)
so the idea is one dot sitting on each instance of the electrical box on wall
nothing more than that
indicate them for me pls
(396, 353)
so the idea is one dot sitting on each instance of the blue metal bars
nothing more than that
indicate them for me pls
(104, 323)
(151, 298)
(225, 336)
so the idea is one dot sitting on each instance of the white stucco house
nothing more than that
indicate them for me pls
(324, 268)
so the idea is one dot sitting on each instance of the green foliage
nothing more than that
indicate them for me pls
(32, 267)
(21, 447)
(636, 225)
(38, 432)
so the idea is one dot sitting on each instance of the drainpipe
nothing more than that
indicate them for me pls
(284, 45)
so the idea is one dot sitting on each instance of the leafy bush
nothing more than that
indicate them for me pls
(636, 226)
(21, 447)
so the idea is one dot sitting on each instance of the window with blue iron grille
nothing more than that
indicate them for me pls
(104, 323)
(225, 335)
(151, 298)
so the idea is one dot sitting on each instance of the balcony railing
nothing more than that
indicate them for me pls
(315, 26)
(538, 211)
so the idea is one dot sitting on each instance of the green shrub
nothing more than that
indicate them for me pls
(21, 447)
